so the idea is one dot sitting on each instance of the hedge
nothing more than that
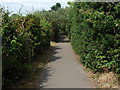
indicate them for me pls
(94, 30)
(23, 38)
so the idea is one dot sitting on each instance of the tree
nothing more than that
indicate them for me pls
(53, 8)
(56, 7)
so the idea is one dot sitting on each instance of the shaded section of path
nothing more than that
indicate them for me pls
(63, 70)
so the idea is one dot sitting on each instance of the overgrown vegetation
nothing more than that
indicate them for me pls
(58, 17)
(23, 39)
(94, 30)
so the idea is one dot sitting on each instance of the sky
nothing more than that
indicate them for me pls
(31, 5)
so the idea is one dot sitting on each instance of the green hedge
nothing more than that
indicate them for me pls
(94, 30)
(23, 38)
(58, 18)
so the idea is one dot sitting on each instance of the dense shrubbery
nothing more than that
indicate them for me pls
(58, 18)
(94, 30)
(23, 38)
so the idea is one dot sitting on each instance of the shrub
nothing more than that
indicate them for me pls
(23, 38)
(94, 30)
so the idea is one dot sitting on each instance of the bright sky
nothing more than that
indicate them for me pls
(15, 5)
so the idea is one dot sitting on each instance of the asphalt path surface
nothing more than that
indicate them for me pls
(63, 69)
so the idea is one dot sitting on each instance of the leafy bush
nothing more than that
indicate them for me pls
(23, 38)
(94, 30)
(58, 19)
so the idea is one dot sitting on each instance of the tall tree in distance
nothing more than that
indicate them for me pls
(56, 7)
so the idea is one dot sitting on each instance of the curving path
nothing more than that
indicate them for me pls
(63, 70)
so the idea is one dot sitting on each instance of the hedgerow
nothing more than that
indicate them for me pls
(23, 38)
(95, 34)
(58, 18)
(93, 29)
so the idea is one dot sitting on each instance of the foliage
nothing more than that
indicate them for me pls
(56, 7)
(94, 29)
(58, 18)
(24, 37)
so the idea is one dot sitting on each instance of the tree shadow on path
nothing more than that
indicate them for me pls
(46, 72)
